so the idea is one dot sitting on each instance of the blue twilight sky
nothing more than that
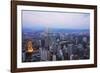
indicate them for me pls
(65, 20)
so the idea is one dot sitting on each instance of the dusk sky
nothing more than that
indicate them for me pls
(66, 20)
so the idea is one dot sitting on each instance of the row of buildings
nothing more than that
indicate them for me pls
(57, 46)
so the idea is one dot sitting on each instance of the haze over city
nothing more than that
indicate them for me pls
(45, 19)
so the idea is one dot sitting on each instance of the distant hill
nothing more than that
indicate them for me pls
(69, 30)
(55, 30)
